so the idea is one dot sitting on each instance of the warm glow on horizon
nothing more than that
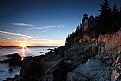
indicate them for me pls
(24, 45)
(30, 42)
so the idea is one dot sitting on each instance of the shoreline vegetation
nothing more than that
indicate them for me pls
(88, 54)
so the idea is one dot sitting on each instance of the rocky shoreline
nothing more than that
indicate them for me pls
(78, 63)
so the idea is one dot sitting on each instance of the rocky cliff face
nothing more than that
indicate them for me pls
(112, 41)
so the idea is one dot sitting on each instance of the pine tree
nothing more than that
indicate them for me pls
(103, 20)
(119, 17)
(115, 10)
(105, 9)
(115, 18)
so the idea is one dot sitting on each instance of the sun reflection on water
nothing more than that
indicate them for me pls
(24, 47)
(23, 52)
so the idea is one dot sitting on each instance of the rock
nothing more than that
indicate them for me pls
(76, 77)
(32, 69)
(94, 70)
(10, 69)
(78, 53)
(13, 59)
(9, 79)
(60, 72)
(79, 63)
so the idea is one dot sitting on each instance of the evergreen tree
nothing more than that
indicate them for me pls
(115, 18)
(77, 28)
(115, 10)
(103, 20)
(105, 9)
(119, 17)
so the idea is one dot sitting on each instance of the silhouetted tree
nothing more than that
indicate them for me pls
(105, 9)
(108, 20)
(115, 18)
(103, 20)
(115, 10)
(120, 16)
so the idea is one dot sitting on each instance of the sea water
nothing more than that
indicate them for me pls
(23, 52)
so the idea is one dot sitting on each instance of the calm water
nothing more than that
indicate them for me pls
(29, 51)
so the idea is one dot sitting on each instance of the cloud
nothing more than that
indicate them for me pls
(9, 38)
(45, 28)
(16, 34)
(22, 24)
(33, 27)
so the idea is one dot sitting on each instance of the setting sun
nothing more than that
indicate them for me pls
(23, 45)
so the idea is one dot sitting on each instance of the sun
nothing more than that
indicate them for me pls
(23, 45)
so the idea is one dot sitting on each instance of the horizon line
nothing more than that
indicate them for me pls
(27, 46)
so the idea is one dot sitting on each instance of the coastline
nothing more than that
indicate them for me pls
(79, 61)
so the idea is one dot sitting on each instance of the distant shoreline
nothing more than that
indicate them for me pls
(30, 46)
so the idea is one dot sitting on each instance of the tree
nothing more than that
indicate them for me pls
(115, 10)
(103, 20)
(115, 18)
(105, 9)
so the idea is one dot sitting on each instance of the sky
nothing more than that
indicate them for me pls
(43, 22)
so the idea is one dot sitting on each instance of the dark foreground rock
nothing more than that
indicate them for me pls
(32, 69)
(13, 59)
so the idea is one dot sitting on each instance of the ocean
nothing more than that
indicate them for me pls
(29, 51)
